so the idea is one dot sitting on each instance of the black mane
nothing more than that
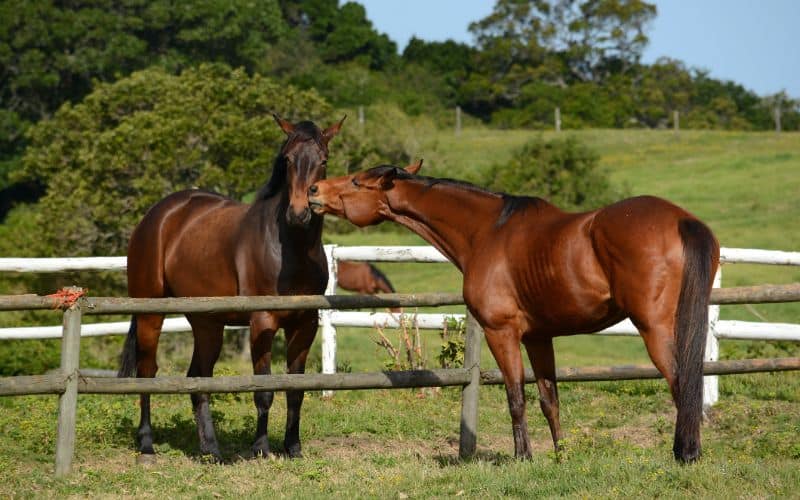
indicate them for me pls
(511, 203)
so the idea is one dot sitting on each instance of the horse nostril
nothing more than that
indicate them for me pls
(313, 189)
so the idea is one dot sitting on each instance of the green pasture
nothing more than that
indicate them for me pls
(404, 443)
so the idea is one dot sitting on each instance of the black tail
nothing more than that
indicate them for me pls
(701, 253)
(127, 360)
(383, 282)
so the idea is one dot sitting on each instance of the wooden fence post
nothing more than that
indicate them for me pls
(468, 439)
(458, 120)
(326, 322)
(676, 121)
(558, 119)
(68, 401)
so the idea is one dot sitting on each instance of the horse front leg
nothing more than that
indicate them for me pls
(542, 358)
(299, 337)
(263, 326)
(504, 344)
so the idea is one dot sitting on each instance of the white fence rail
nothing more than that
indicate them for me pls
(720, 329)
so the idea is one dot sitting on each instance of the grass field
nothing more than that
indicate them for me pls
(404, 444)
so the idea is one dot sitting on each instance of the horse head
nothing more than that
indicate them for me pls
(302, 162)
(360, 197)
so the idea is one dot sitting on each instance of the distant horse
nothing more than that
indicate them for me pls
(196, 243)
(533, 272)
(362, 277)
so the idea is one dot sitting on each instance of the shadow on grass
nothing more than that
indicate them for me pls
(180, 433)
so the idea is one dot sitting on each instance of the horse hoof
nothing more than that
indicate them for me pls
(145, 459)
(294, 452)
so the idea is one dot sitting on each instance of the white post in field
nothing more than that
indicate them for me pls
(711, 382)
(676, 122)
(326, 321)
(558, 119)
(458, 120)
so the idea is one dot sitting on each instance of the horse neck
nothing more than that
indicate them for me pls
(451, 218)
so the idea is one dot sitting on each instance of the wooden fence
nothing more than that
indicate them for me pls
(69, 381)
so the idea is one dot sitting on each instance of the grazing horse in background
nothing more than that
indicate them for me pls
(195, 243)
(362, 277)
(533, 272)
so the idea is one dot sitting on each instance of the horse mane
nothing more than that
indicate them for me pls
(303, 131)
(511, 203)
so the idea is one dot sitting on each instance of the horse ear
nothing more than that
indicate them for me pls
(287, 127)
(414, 167)
(334, 129)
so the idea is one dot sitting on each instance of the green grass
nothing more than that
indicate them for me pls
(746, 186)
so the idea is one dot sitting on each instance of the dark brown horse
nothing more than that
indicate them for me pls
(196, 243)
(362, 277)
(533, 272)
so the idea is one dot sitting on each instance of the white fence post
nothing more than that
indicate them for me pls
(711, 382)
(326, 321)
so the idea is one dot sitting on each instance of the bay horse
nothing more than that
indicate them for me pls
(197, 243)
(362, 277)
(533, 272)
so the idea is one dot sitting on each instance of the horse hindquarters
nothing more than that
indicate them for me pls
(701, 255)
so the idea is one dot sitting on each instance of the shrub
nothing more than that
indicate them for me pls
(563, 171)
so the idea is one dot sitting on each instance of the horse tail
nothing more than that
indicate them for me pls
(701, 253)
(127, 359)
(382, 281)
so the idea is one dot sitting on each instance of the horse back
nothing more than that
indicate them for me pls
(185, 246)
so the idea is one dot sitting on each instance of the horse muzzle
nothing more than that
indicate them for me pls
(299, 219)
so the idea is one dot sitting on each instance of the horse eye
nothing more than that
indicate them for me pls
(355, 182)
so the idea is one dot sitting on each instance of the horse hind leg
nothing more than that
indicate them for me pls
(143, 341)
(207, 347)
(542, 358)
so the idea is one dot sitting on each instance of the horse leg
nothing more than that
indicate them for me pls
(540, 353)
(148, 330)
(207, 346)
(262, 332)
(299, 337)
(504, 345)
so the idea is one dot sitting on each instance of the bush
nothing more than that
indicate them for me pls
(563, 171)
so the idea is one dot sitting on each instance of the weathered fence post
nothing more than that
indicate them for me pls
(558, 119)
(469, 394)
(711, 382)
(676, 121)
(458, 120)
(326, 322)
(68, 401)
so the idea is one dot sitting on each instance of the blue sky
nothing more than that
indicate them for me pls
(754, 43)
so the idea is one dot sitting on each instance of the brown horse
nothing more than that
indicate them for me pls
(362, 277)
(196, 243)
(533, 272)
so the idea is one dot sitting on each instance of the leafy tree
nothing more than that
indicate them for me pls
(128, 144)
(51, 52)
(341, 33)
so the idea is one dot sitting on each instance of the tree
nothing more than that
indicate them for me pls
(51, 52)
(563, 171)
(128, 144)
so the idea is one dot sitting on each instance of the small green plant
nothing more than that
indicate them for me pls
(451, 353)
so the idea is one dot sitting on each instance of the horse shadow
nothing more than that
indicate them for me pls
(179, 433)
